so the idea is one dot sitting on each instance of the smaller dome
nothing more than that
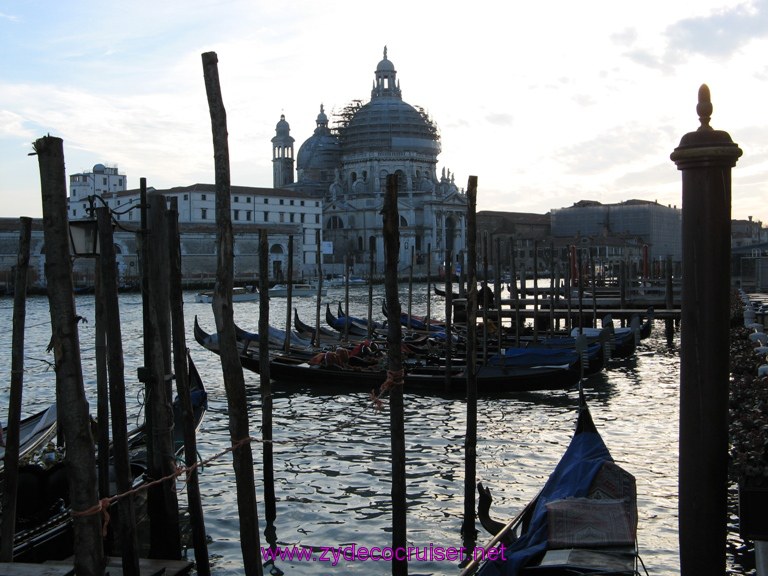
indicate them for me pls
(282, 127)
(385, 66)
(99, 169)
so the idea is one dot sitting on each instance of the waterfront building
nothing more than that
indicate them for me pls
(346, 166)
(283, 213)
(658, 227)
(101, 181)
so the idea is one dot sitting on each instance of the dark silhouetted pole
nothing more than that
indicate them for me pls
(120, 459)
(265, 384)
(289, 296)
(371, 271)
(181, 367)
(234, 382)
(705, 158)
(319, 288)
(470, 439)
(395, 374)
(73, 412)
(162, 500)
(11, 457)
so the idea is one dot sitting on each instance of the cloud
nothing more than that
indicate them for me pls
(721, 34)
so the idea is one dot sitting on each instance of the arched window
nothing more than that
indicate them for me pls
(334, 223)
(403, 222)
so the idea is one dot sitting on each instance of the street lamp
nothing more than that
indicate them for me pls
(84, 238)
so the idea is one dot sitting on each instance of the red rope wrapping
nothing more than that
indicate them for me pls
(103, 507)
(394, 378)
(104, 504)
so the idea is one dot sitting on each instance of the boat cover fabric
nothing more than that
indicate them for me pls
(571, 478)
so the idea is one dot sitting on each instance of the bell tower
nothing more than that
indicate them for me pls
(282, 154)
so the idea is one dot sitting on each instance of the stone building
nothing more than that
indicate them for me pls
(346, 165)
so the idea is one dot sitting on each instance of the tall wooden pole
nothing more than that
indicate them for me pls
(265, 383)
(116, 367)
(470, 438)
(289, 297)
(102, 385)
(705, 158)
(319, 288)
(371, 271)
(234, 382)
(181, 363)
(448, 318)
(73, 411)
(429, 284)
(11, 458)
(395, 376)
(163, 506)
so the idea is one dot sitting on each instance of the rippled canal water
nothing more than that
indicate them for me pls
(332, 454)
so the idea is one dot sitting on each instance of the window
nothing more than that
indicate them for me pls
(317, 218)
(302, 202)
(266, 200)
(266, 216)
(248, 215)
(247, 199)
(119, 181)
(282, 201)
(74, 212)
(236, 214)
(202, 197)
(317, 204)
(302, 218)
(291, 202)
(203, 214)
(237, 198)
(186, 197)
(292, 215)
(104, 181)
(282, 216)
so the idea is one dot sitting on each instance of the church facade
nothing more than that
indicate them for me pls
(347, 165)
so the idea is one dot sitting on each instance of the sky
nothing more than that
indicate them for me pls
(547, 103)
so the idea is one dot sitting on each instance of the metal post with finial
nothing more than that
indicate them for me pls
(705, 158)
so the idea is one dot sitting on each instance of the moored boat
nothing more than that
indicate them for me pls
(299, 290)
(44, 523)
(34, 431)
(583, 521)
(239, 294)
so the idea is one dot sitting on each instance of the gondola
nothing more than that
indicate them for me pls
(44, 525)
(34, 432)
(362, 321)
(327, 369)
(342, 325)
(583, 521)
(308, 332)
(436, 328)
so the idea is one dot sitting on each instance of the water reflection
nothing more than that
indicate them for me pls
(332, 451)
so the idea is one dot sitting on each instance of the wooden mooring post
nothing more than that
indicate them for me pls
(470, 439)
(116, 368)
(181, 363)
(11, 458)
(73, 411)
(705, 158)
(234, 381)
(395, 375)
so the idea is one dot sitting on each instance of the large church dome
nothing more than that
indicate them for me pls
(387, 123)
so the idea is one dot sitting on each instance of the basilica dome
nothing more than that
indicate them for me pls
(387, 123)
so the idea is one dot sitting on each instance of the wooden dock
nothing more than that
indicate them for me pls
(114, 568)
